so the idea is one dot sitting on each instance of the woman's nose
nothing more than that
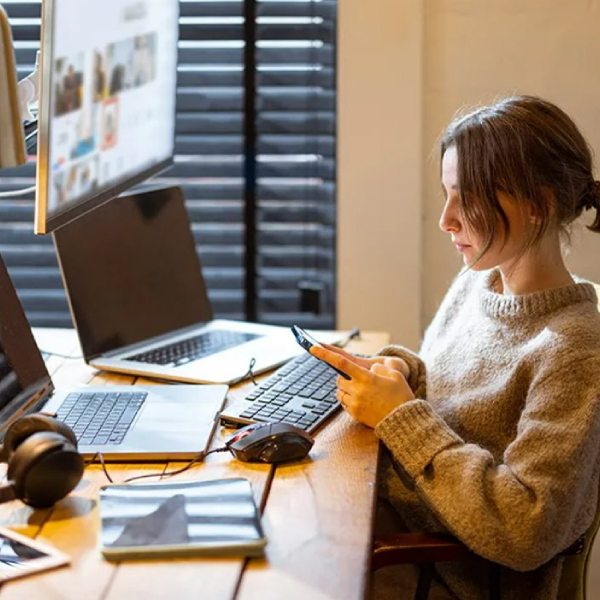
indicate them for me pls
(449, 220)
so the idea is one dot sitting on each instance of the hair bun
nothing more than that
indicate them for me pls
(591, 197)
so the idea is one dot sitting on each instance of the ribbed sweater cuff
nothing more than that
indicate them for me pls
(415, 434)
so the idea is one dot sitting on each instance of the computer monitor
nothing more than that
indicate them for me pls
(107, 102)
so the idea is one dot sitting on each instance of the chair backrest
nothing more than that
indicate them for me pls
(574, 576)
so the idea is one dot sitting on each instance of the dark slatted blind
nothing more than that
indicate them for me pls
(295, 176)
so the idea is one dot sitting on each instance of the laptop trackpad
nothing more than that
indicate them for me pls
(181, 407)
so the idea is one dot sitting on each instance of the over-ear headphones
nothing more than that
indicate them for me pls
(43, 462)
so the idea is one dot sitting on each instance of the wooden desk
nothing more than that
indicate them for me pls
(317, 516)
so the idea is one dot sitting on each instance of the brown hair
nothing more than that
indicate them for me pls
(523, 146)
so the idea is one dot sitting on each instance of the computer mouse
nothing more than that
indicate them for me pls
(270, 443)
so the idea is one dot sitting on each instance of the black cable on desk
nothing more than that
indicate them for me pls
(198, 458)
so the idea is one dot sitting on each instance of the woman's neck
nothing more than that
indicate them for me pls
(540, 268)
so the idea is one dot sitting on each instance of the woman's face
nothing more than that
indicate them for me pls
(502, 252)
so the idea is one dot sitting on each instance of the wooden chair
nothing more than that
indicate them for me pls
(426, 549)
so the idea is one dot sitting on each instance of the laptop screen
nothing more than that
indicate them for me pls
(131, 271)
(23, 374)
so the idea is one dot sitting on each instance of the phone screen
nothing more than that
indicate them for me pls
(13, 554)
(307, 342)
(20, 556)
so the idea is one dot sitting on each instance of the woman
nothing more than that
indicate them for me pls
(493, 430)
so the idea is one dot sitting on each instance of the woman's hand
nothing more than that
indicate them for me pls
(375, 389)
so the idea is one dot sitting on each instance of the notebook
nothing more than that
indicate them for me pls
(139, 302)
(130, 423)
(217, 518)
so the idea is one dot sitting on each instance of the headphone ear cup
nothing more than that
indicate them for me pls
(44, 468)
(22, 428)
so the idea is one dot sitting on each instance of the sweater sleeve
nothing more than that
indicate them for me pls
(533, 504)
(416, 368)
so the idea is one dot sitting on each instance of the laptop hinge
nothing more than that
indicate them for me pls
(27, 401)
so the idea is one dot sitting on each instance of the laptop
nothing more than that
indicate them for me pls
(139, 301)
(124, 423)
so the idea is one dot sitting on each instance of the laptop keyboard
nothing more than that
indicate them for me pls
(100, 418)
(302, 393)
(184, 351)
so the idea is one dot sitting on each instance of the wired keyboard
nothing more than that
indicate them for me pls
(301, 392)
(184, 351)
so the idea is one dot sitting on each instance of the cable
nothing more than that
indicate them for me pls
(18, 192)
(99, 456)
(198, 458)
(60, 355)
(249, 373)
(354, 333)
(195, 460)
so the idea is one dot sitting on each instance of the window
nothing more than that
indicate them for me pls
(293, 182)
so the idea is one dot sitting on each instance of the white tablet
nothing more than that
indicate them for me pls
(20, 556)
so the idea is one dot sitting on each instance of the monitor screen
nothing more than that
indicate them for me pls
(107, 103)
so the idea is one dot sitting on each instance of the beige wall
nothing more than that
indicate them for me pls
(379, 166)
(439, 55)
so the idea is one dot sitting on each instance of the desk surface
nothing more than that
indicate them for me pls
(317, 516)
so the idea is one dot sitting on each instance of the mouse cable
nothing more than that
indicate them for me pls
(198, 458)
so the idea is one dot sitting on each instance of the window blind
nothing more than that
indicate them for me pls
(295, 162)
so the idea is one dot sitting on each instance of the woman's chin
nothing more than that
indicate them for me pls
(470, 260)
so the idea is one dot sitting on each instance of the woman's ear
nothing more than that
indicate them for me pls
(549, 198)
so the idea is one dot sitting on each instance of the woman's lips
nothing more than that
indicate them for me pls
(461, 247)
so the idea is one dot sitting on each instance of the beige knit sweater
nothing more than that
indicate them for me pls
(501, 446)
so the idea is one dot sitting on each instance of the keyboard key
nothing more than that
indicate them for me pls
(248, 414)
(320, 394)
(290, 419)
(310, 417)
(264, 419)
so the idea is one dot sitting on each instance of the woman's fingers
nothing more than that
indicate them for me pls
(345, 365)
(386, 371)
(344, 384)
(396, 363)
(341, 395)
(355, 359)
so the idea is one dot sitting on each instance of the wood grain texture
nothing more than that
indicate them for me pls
(318, 521)
(317, 517)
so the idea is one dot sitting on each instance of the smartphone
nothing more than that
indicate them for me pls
(307, 342)
(22, 556)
